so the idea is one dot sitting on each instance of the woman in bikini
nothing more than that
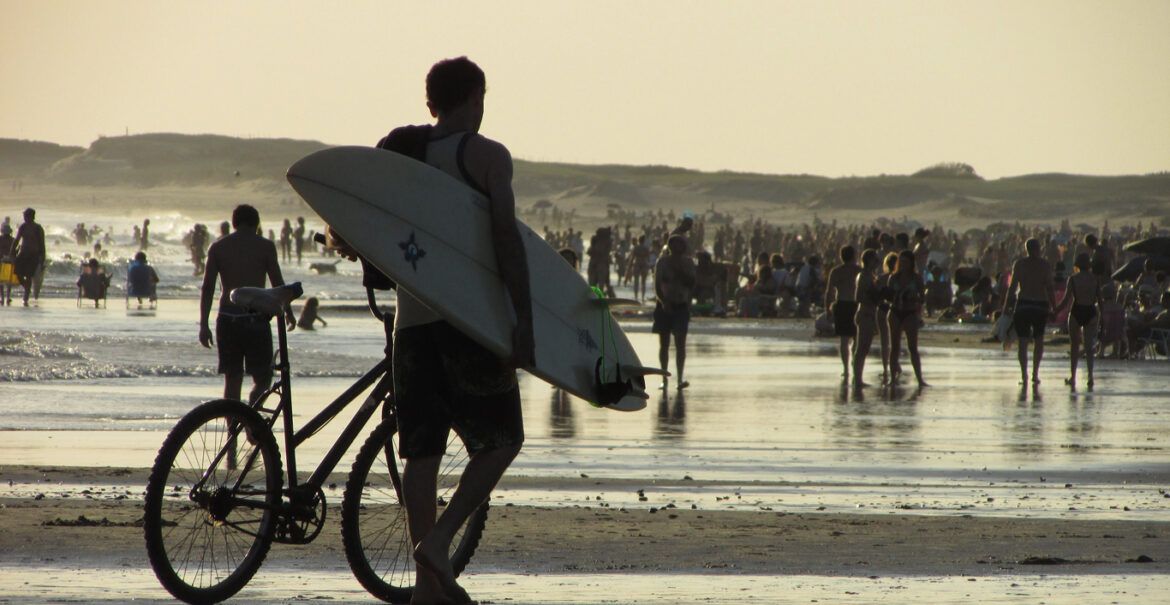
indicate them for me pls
(906, 292)
(868, 298)
(1083, 293)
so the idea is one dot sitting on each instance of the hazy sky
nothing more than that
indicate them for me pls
(826, 87)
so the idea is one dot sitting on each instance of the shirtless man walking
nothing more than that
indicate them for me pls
(443, 379)
(1035, 298)
(841, 298)
(243, 339)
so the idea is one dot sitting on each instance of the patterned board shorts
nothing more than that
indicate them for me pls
(443, 380)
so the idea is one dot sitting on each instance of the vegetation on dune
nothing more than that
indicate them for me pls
(948, 170)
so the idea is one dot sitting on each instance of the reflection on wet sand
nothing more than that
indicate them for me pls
(561, 424)
(670, 423)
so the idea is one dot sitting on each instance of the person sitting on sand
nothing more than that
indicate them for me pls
(310, 315)
(1082, 292)
(841, 302)
(570, 257)
(1031, 284)
(938, 291)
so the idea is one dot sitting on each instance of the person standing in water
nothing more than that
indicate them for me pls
(443, 379)
(299, 238)
(841, 300)
(674, 281)
(243, 338)
(30, 252)
(906, 292)
(868, 296)
(1084, 293)
(1035, 297)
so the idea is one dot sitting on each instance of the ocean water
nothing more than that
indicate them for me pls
(765, 425)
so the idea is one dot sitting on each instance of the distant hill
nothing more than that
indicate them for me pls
(20, 159)
(173, 159)
(151, 160)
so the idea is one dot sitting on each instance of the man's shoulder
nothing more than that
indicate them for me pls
(490, 149)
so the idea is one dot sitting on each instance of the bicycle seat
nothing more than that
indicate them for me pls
(268, 301)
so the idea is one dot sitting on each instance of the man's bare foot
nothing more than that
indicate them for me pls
(1035, 380)
(684, 384)
(433, 558)
(922, 383)
(858, 383)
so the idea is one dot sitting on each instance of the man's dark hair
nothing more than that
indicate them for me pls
(245, 215)
(451, 82)
(848, 253)
(30, 214)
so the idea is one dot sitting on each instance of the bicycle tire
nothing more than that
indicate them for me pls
(373, 519)
(202, 547)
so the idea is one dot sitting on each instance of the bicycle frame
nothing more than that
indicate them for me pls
(380, 373)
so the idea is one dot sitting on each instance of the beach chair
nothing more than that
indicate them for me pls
(93, 284)
(140, 285)
(1154, 344)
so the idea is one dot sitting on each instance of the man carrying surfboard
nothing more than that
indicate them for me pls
(442, 378)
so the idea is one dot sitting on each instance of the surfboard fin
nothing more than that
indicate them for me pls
(644, 371)
(609, 393)
(615, 302)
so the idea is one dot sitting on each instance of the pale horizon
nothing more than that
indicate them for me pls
(833, 88)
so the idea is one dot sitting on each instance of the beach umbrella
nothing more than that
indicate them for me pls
(1131, 270)
(1155, 245)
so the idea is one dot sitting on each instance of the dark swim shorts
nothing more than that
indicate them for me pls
(671, 318)
(844, 323)
(244, 344)
(445, 380)
(1030, 318)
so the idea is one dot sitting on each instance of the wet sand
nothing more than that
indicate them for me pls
(802, 491)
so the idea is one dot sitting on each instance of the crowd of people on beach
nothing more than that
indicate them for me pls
(886, 278)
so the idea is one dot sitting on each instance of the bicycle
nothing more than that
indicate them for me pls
(216, 499)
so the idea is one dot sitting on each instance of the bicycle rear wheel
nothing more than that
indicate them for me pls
(211, 502)
(373, 518)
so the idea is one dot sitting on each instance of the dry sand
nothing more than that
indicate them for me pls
(102, 529)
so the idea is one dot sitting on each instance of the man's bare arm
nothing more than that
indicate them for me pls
(831, 288)
(206, 295)
(511, 257)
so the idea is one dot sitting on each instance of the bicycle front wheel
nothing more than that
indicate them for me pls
(212, 501)
(373, 518)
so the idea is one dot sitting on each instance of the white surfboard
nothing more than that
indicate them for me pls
(431, 234)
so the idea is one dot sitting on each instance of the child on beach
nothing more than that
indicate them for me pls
(309, 315)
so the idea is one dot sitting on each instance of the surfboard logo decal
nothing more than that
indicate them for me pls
(585, 339)
(411, 252)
